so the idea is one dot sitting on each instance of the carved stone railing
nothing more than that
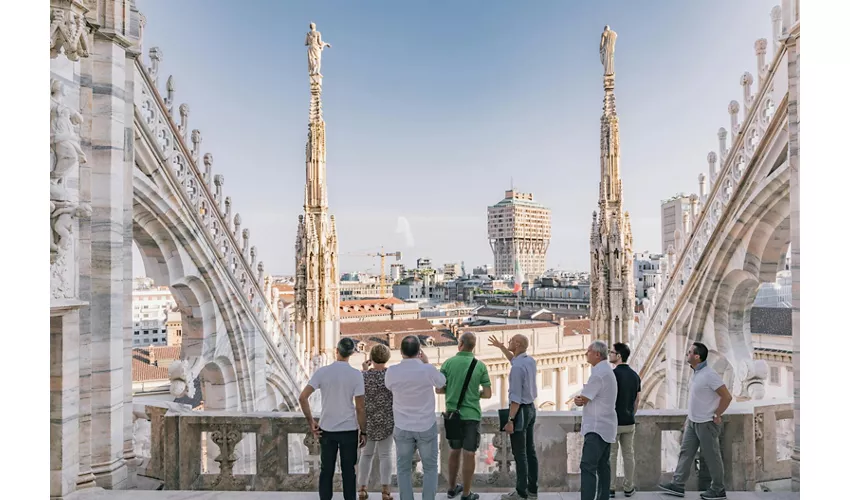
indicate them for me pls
(735, 162)
(749, 444)
(202, 193)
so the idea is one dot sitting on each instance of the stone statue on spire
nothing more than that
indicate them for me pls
(315, 46)
(606, 49)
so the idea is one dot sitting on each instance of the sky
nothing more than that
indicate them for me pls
(434, 109)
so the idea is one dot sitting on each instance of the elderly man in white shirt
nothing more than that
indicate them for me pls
(412, 383)
(598, 423)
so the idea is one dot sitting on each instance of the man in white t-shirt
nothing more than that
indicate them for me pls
(412, 383)
(343, 413)
(598, 423)
(707, 401)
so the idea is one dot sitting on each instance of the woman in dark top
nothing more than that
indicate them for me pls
(379, 422)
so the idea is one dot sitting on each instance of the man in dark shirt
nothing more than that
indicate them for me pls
(628, 393)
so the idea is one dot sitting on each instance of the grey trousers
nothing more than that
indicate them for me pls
(705, 436)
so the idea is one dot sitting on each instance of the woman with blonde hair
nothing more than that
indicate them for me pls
(379, 422)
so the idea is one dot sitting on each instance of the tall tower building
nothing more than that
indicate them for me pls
(519, 230)
(612, 288)
(316, 248)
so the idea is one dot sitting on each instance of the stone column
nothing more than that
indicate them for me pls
(503, 390)
(559, 392)
(793, 45)
(111, 115)
(64, 401)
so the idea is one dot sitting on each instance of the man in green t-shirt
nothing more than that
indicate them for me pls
(455, 370)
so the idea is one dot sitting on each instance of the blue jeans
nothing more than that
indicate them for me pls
(405, 444)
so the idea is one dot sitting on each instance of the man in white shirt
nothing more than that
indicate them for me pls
(707, 401)
(412, 383)
(598, 423)
(343, 412)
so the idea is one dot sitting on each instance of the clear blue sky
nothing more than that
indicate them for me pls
(432, 107)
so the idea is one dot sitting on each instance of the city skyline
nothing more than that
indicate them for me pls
(427, 145)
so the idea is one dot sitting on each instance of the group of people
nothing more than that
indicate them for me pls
(379, 406)
(609, 400)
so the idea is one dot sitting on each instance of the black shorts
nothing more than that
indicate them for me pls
(471, 436)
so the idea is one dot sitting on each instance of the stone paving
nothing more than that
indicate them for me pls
(274, 495)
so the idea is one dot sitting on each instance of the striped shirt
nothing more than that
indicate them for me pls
(523, 379)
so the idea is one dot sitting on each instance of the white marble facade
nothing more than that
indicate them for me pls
(123, 170)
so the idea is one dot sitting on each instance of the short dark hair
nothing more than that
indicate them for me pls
(410, 346)
(345, 347)
(623, 350)
(701, 350)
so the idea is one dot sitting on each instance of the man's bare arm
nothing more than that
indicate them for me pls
(637, 401)
(486, 393)
(304, 401)
(360, 408)
(725, 399)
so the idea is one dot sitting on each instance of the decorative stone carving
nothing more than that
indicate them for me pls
(315, 46)
(606, 49)
(68, 30)
(761, 49)
(196, 144)
(181, 380)
(747, 83)
(184, 119)
(246, 240)
(208, 163)
(237, 221)
(66, 155)
(169, 94)
(702, 188)
(226, 438)
(227, 208)
(218, 182)
(712, 164)
(721, 138)
(734, 108)
(776, 24)
(155, 55)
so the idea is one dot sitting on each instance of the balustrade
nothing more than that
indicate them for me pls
(285, 457)
(735, 162)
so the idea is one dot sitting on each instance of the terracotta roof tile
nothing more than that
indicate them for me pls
(144, 372)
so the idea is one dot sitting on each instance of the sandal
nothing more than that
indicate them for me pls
(386, 494)
(363, 494)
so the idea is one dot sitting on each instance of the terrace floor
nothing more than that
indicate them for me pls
(275, 495)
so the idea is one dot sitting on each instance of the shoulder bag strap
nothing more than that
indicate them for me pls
(466, 383)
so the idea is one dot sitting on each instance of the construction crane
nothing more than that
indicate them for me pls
(383, 257)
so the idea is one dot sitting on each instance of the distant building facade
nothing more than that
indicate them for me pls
(150, 312)
(519, 229)
(673, 213)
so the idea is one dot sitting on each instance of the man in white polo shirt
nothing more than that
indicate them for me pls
(412, 383)
(343, 413)
(707, 401)
(598, 423)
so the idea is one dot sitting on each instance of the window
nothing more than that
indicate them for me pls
(547, 378)
(774, 375)
(136, 332)
(573, 375)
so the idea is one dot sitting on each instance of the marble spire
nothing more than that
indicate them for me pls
(317, 278)
(612, 301)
